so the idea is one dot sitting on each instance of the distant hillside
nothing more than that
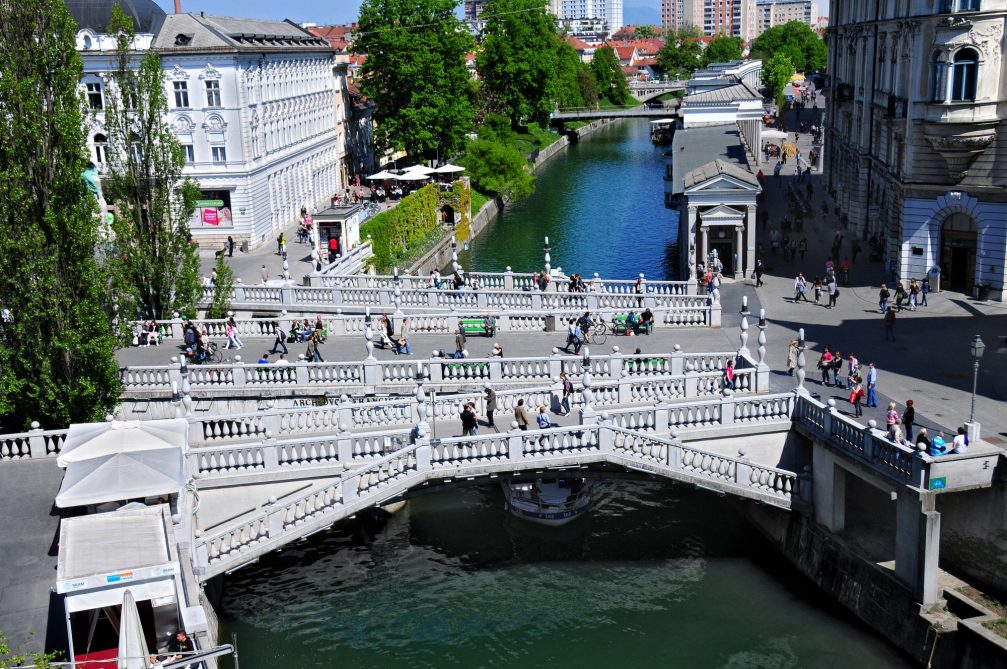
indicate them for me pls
(639, 16)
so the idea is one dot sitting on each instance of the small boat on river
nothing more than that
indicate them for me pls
(551, 502)
(662, 131)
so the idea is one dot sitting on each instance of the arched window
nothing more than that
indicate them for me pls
(100, 149)
(964, 74)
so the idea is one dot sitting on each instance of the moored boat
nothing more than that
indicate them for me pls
(552, 502)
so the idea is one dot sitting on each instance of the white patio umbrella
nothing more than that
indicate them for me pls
(122, 476)
(412, 176)
(86, 441)
(449, 169)
(133, 653)
(774, 134)
(422, 169)
(382, 175)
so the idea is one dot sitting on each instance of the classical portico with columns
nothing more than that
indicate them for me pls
(721, 201)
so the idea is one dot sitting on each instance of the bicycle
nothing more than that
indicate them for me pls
(598, 334)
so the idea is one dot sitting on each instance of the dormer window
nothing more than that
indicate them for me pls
(183, 39)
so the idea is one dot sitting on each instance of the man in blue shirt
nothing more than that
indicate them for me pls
(872, 386)
(264, 360)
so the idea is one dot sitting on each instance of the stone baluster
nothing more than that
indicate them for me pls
(548, 258)
(508, 279)
(677, 361)
(675, 450)
(662, 414)
(344, 445)
(36, 442)
(270, 455)
(615, 362)
(422, 427)
(727, 407)
(761, 383)
(625, 387)
(606, 437)
(555, 364)
(176, 400)
(743, 351)
(744, 305)
(515, 442)
(183, 370)
(587, 411)
(691, 381)
(368, 335)
(742, 468)
(828, 416)
(762, 336)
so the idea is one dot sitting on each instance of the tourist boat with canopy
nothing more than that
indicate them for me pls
(554, 502)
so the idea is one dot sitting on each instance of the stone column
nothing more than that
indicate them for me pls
(704, 248)
(739, 252)
(828, 489)
(917, 543)
(689, 243)
(750, 230)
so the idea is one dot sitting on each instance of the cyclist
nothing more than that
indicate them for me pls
(586, 323)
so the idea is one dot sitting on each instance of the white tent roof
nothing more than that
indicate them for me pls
(122, 476)
(663, 121)
(449, 169)
(773, 134)
(85, 441)
(412, 176)
(382, 175)
(422, 169)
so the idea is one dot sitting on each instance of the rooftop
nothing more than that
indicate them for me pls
(199, 31)
(726, 93)
(695, 148)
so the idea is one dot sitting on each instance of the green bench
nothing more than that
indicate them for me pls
(481, 366)
(476, 326)
(619, 326)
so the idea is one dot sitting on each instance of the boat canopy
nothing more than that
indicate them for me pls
(663, 121)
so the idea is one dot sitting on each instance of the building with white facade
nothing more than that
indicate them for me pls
(772, 13)
(736, 18)
(610, 11)
(915, 137)
(259, 107)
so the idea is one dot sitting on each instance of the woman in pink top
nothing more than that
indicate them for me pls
(825, 364)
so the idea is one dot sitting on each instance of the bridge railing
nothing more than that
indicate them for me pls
(668, 296)
(36, 443)
(445, 373)
(350, 262)
(281, 520)
(865, 444)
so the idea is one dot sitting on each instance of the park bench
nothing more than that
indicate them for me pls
(479, 326)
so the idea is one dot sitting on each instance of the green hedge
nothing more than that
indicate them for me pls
(395, 232)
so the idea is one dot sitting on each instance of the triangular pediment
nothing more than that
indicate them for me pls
(720, 183)
(722, 212)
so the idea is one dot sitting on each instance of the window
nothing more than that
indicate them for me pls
(94, 99)
(213, 94)
(937, 85)
(959, 5)
(181, 94)
(100, 149)
(190, 155)
(964, 72)
(219, 154)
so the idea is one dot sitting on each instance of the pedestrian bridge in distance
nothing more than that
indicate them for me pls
(648, 90)
(584, 114)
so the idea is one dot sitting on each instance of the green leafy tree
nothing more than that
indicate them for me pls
(610, 77)
(646, 32)
(804, 47)
(498, 169)
(722, 49)
(57, 361)
(681, 54)
(587, 85)
(775, 75)
(568, 87)
(155, 264)
(519, 57)
(416, 76)
(10, 658)
(223, 286)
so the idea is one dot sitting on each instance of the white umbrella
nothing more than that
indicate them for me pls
(382, 175)
(774, 134)
(412, 176)
(86, 441)
(422, 169)
(115, 478)
(449, 169)
(133, 653)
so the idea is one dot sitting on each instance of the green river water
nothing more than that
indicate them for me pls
(656, 575)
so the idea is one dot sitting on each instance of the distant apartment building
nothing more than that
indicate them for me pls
(916, 138)
(473, 9)
(610, 11)
(737, 18)
(772, 13)
(592, 30)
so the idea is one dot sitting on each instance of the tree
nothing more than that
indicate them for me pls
(156, 266)
(498, 168)
(519, 57)
(57, 362)
(646, 32)
(10, 658)
(573, 85)
(610, 77)
(722, 49)
(223, 286)
(776, 74)
(416, 76)
(804, 47)
(681, 54)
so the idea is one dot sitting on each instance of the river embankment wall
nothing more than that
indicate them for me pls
(440, 255)
(950, 636)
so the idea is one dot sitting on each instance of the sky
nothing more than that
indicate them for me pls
(326, 11)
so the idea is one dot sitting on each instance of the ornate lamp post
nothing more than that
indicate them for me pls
(977, 348)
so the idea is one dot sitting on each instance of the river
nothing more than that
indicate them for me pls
(657, 575)
(600, 202)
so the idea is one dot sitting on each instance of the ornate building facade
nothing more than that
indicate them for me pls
(260, 108)
(916, 139)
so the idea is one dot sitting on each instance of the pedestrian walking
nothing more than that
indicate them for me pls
(793, 352)
(872, 385)
(760, 269)
(818, 290)
(491, 404)
(729, 375)
(800, 288)
(317, 350)
(281, 338)
(574, 337)
(909, 418)
(914, 292)
(230, 246)
(281, 240)
(469, 421)
(232, 335)
(265, 275)
(825, 365)
(892, 421)
(833, 291)
(837, 368)
(856, 396)
(402, 343)
(521, 415)
(567, 392)
(883, 297)
(460, 342)
(890, 324)
(853, 371)
(924, 290)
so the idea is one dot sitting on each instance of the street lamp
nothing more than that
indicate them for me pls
(977, 348)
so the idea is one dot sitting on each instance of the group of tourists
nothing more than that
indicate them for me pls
(146, 334)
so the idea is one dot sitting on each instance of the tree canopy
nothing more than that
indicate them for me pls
(518, 58)
(610, 77)
(776, 73)
(681, 54)
(802, 45)
(722, 49)
(415, 73)
(57, 362)
(156, 267)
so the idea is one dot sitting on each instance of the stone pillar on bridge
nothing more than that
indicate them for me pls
(828, 489)
(917, 543)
